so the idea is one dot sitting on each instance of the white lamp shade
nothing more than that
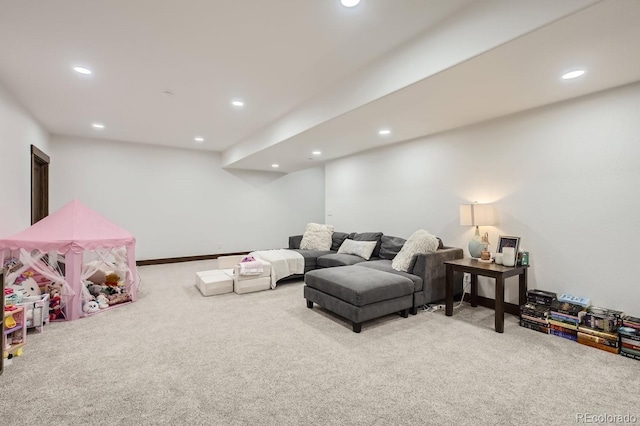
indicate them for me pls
(477, 215)
(466, 215)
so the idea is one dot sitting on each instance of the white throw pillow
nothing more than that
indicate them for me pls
(420, 242)
(317, 237)
(359, 248)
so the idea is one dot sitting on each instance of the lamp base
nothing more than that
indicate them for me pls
(475, 248)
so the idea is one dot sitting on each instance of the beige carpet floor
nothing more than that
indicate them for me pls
(175, 357)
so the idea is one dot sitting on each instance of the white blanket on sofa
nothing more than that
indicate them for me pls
(283, 263)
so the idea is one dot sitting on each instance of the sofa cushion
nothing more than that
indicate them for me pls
(359, 286)
(337, 239)
(385, 266)
(294, 241)
(358, 248)
(390, 246)
(311, 256)
(420, 241)
(317, 237)
(369, 236)
(332, 260)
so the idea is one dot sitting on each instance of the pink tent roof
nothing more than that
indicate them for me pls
(74, 227)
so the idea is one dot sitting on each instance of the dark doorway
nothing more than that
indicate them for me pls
(39, 184)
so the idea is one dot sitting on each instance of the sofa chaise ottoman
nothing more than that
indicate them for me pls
(358, 294)
(427, 270)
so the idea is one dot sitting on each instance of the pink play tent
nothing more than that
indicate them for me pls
(70, 231)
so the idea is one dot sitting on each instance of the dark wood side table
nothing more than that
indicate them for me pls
(498, 272)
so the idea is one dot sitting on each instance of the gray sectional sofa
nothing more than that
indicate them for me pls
(360, 289)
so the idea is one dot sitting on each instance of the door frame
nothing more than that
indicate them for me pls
(39, 158)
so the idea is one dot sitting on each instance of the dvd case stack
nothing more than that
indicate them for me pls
(630, 337)
(632, 322)
(599, 329)
(535, 313)
(565, 316)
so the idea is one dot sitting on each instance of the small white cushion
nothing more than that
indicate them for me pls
(358, 248)
(420, 242)
(210, 285)
(317, 237)
(202, 274)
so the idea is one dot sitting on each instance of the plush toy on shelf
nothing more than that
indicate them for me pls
(102, 300)
(90, 306)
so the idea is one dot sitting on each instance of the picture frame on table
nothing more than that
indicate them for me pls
(507, 241)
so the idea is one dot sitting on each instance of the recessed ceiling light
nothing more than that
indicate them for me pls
(573, 74)
(98, 126)
(82, 70)
(384, 132)
(349, 3)
(237, 103)
(316, 152)
(275, 166)
(198, 139)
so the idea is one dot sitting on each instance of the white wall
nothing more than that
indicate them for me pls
(18, 131)
(180, 202)
(564, 178)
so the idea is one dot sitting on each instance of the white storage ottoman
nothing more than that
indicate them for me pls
(250, 283)
(211, 283)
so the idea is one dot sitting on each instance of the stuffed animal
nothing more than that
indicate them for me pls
(55, 301)
(28, 288)
(24, 276)
(114, 299)
(55, 308)
(54, 289)
(102, 300)
(112, 280)
(90, 306)
(94, 289)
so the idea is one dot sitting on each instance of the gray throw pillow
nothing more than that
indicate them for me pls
(390, 246)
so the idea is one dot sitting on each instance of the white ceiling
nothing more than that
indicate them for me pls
(313, 74)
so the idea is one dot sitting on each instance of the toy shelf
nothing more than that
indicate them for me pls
(19, 332)
(11, 330)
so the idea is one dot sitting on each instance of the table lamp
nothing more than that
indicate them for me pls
(477, 215)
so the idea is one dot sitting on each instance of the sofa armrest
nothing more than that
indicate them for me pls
(294, 241)
(430, 267)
